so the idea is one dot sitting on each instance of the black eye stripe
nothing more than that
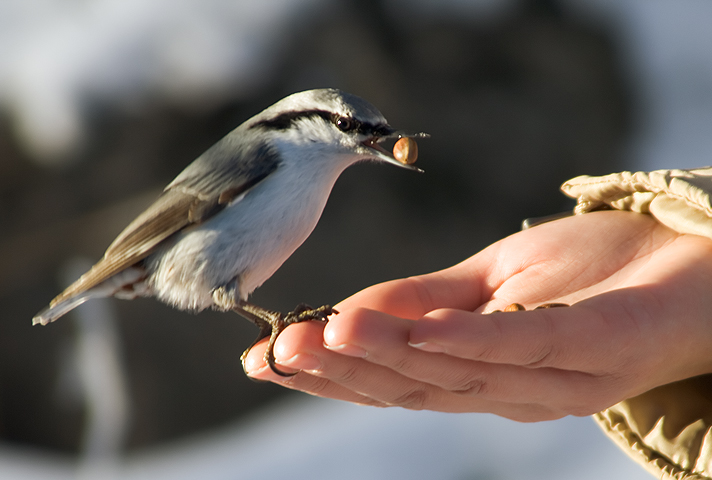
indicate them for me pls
(382, 130)
(287, 119)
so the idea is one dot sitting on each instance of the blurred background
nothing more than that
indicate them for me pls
(103, 102)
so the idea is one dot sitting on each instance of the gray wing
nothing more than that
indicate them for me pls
(205, 187)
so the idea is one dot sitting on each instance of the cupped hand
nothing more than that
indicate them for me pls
(639, 318)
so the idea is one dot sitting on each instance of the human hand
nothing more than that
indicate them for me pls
(639, 318)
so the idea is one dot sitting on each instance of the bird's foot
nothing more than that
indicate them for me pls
(272, 324)
(304, 312)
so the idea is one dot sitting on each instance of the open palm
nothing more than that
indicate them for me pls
(639, 318)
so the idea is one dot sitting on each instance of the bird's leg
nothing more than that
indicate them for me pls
(273, 323)
(265, 328)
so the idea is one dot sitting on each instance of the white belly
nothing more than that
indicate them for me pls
(247, 241)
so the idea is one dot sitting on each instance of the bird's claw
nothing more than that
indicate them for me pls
(304, 312)
(278, 323)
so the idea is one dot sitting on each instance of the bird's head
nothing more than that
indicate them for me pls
(332, 121)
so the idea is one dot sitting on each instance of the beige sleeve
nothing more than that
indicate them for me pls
(668, 429)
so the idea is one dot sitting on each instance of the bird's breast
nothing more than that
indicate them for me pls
(247, 241)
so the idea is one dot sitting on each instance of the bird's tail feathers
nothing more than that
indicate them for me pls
(115, 285)
(53, 312)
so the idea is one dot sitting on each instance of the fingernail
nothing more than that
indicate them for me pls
(350, 350)
(250, 365)
(302, 361)
(428, 347)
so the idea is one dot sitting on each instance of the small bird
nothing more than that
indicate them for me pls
(228, 221)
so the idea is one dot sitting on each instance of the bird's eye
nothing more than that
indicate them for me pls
(345, 124)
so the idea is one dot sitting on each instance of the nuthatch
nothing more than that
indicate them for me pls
(234, 215)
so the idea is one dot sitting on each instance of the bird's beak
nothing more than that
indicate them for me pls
(374, 148)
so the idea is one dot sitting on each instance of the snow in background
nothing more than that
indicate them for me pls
(59, 56)
(319, 439)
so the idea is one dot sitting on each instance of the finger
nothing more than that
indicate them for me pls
(413, 297)
(301, 346)
(308, 333)
(355, 380)
(382, 340)
(591, 336)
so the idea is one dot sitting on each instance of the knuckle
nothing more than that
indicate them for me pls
(421, 292)
(318, 386)
(402, 364)
(543, 352)
(349, 375)
(415, 399)
(471, 387)
(541, 357)
(486, 351)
